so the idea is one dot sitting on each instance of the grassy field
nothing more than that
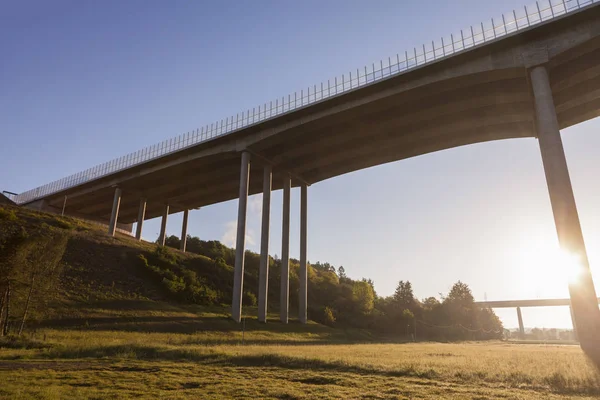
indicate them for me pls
(283, 362)
(109, 331)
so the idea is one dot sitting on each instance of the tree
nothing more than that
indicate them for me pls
(363, 296)
(41, 260)
(408, 317)
(172, 241)
(11, 246)
(404, 296)
(430, 303)
(342, 272)
(460, 294)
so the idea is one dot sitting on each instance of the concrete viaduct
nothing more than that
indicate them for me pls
(533, 74)
(530, 303)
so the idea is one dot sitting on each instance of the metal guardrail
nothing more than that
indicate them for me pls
(475, 36)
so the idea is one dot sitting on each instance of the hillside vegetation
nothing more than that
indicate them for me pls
(63, 271)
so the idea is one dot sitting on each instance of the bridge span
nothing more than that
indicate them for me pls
(530, 303)
(532, 74)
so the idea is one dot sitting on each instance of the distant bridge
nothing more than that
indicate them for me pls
(529, 303)
(528, 74)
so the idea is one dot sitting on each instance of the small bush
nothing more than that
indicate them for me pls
(173, 286)
(250, 299)
(8, 215)
(165, 255)
(64, 225)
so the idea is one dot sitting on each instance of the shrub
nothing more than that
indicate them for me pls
(173, 286)
(64, 225)
(8, 215)
(162, 253)
(328, 316)
(249, 299)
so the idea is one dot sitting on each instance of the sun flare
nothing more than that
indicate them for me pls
(548, 269)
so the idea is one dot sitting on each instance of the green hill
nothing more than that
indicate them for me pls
(62, 272)
(105, 283)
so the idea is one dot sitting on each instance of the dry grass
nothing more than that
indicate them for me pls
(292, 364)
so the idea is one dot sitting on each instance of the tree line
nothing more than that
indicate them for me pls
(334, 298)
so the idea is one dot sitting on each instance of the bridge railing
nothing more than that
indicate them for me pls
(463, 40)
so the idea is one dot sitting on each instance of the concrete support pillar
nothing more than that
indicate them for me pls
(64, 206)
(183, 241)
(263, 279)
(566, 219)
(521, 326)
(163, 226)
(140, 219)
(285, 252)
(574, 325)
(240, 243)
(303, 273)
(114, 215)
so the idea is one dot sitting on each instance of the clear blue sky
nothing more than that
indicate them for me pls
(82, 82)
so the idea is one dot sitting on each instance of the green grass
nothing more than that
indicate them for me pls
(283, 361)
(110, 332)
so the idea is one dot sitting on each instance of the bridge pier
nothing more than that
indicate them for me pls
(573, 322)
(163, 226)
(183, 241)
(583, 295)
(285, 252)
(114, 215)
(238, 273)
(303, 273)
(263, 282)
(140, 219)
(521, 326)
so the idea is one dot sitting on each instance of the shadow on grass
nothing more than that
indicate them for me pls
(210, 358)
(152, 353)
(178, 324)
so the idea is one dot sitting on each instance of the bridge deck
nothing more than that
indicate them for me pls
(478, 95)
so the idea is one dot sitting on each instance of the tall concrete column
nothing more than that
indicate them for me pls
(163, 226)
(64, 206)
(140, 219)
(303, 289)
(573, 321)
(240, 243)
(263, 279)
(183, 241)
(521, 326)
(114, 215)
(285, 252)
(566, 219)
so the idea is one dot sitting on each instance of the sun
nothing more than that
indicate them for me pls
(547, 270)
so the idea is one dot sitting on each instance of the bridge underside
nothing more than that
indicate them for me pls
(405, 116)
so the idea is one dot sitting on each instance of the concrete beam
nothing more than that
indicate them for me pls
(303, 273)
(140, 219)
(583, 294)
(263, 279)
(525, 303)
(238, 278)
(285, 253)
(184, 225)
(114, 216)
(163, 226)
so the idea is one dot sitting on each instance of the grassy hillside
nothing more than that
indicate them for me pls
(80, 276)
(118, 283)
